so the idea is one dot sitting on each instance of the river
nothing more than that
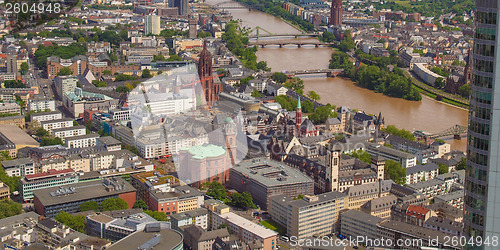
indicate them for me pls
(427, 115)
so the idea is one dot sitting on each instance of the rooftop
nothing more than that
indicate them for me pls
(49, 173)
(45, 113)
(270, 173)
(256, 229)
(422, 168)
(426, 184)
(362, 216)
(56, 121)
(83, 191)
(17, 136)
(389, 151)
(79, 137)
(16, 162)
(108, 140)
(205, 150)
(162, 239)
(308, 201)
(67, 129)
(189, 214)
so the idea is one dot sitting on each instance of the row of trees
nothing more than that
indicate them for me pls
(391, 129)
(236, 41)
(109, 204)
(9, 208)
(64, 52)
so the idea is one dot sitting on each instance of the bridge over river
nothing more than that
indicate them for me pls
(292, 73)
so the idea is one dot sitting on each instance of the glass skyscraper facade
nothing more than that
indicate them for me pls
(482, 195)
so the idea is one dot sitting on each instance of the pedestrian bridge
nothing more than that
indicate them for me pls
(282, 43)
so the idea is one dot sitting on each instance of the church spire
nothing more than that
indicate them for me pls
(298, 104)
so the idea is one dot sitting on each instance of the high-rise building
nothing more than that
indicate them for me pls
(210, 90)
(336, 12)
(182, 6)
(11, 61)
(482, 184)
(152, 24)
(193, 32)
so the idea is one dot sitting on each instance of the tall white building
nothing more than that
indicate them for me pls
(152, 24)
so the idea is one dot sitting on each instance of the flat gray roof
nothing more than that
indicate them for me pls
(16, 162)
(68, 128)
(389, 151)
(425, 184)
(108, 140)
(84, 191)
(361, 216)
(56, 121)
(169, 239)
(270, 173)
(304, 203)
(46, 113)
(78, 137)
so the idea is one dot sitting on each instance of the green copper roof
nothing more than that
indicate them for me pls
(206, 150)
(298, 104)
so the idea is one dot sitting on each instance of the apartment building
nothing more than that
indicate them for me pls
(55, 124)
(4, 191)
(197, 217)
(69, 132)
(420, 173)
(173, 200)
(18, 167)
(411, 214)
(81, 141)
(407, 160)
(46, 116)
(110, 143)
(41, 104)
(309, 216)
(65, 84)
(455, 199)
(17, 120)
(12, 108)
(430, 188)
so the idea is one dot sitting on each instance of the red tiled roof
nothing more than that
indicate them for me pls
(417, 211)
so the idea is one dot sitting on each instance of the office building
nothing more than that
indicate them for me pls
(355, 223)
(152, 25)
(481, 183)
(12, 108)
(154, 236)
(105, 225)
(52, 178)
(197, 217)
(264, 178)
(17, 120)
(182, 6)
(407, 160)
(65, 84)
(81, 141)
(69, 131)
(55, 124)
(41, 105)
(309, 216)
(68, 198)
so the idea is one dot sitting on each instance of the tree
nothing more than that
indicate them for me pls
(140, 204)
(296, 84)
(159, 216)
(394, 171)
(461, 164)
(24, 68)
(146, 73)
(443, 169)
(464, 90)
(20, 101)
(279, 77)
(89, 206)
(242, 200)
(114, 204)
(99, 84)
(321, 114)
(13, 84)
(256, 93)
(11, 181)
(47, 141)
(122, 89)
(313, 95)
(391, 129)
(64, 71)
(362, 156)
(173, 58)
(262, 65)
(107, 72)
(76, 223)
(9, 208)
(216, 190)
(158, 58)
(439, 83)
(41, 132)
(307, 106)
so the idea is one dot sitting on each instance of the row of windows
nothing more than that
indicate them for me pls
(475, 188)
(479, 112)
(477, 158)
(482, 81)
(474, 203)
(485, 34)
(484, 49)
(482, 65)
(486, 18)
(478, 143)
(479, 128)
(476, 173)
(481, 97)
(474, 218)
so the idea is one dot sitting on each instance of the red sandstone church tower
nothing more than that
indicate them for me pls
(298, 115)
(210, 90)
(336, 13)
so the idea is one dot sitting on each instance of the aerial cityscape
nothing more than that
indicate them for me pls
(249, 124)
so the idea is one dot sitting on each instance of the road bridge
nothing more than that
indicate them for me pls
(282, 43)
(293, 73)
(230, 5)
(296, 35)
